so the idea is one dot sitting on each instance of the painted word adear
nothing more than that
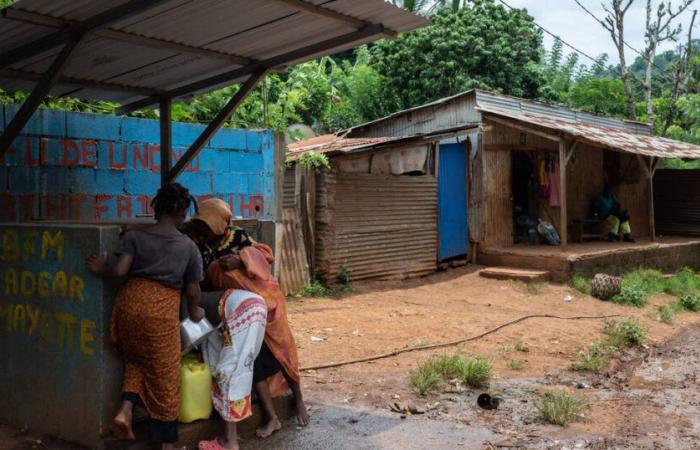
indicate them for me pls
(43, 284)
(57, 328)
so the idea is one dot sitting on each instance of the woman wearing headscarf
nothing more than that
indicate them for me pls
(160, 263)
(233, 260)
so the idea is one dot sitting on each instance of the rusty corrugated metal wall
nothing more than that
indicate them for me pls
(376, 226)
(677, 202)
(288, 191)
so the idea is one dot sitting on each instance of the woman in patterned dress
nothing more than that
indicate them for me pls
(233, 260)
(160, 263)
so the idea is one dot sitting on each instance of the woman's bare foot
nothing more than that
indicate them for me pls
(269, 428)
(228, 444)
(302, 414)
(121, 425)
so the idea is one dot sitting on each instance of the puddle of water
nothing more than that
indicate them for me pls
(638, 382)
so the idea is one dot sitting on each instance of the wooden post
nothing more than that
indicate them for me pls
(652, 219)
(166, 140)
(563, 231)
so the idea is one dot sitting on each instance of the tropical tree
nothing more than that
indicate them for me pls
(483, 45)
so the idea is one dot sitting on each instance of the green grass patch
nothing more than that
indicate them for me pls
(640, 284)
(516, 365)
(619, 335)
(425, 379)
(581, 284)
(689, 302)
(433, 374)
(474, 372)
(532, 287)
(666, 314)
(593, 359)
(685, 282)
(520, 346)
(315, 289)
(560, 407)
(624, 333)
(517, 346)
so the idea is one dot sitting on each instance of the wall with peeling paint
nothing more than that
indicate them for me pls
(99, 168)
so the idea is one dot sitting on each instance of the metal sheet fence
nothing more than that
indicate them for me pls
(677, 202)
(376, 226)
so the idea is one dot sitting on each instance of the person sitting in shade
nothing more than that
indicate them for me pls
(607, 208)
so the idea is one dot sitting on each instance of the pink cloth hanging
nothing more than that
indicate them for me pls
(554, 199)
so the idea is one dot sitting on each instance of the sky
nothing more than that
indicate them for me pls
(567, 20)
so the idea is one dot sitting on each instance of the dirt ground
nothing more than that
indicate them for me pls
(381, 317)
(648, 398)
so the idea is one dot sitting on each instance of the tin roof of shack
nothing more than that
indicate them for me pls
(334, 145)
(137, 51)
(467, 109)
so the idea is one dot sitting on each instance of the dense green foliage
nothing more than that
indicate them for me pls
(483, 46)
(471, 43)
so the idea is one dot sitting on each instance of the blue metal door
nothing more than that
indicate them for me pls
(452, 201)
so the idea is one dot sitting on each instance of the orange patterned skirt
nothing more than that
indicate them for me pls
(145, 328)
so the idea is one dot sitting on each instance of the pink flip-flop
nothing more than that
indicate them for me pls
(210, 445)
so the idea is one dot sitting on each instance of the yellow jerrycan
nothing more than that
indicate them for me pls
(195, 391)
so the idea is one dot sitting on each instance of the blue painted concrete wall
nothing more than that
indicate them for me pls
(97, 168)
(60, 374)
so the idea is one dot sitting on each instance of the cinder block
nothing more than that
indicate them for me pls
(214, 160)
(245, 162)
(229, 138)
(254, 141)
(54, 180)
(44, 122)
(197, 183)
(23, 180)
(140, 130)
(92, 126)
(184, 134)
(141, 183)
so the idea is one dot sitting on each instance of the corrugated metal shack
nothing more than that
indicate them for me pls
(375, 209)
(505, 133)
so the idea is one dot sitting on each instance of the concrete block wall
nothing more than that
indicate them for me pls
(99, 168)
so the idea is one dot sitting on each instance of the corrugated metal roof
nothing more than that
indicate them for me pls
(331, 144)
(608, 137)
(503, 102)
(142, 56)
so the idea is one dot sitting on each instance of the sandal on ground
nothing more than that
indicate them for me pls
(210, 445)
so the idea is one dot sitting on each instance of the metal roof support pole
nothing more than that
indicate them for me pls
(217, 123)
(38, 95)
(65, 35)
(564, 220)
(166, 140)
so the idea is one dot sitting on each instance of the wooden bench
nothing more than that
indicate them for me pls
(586, 230)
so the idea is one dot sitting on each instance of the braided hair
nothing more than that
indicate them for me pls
(171, 199)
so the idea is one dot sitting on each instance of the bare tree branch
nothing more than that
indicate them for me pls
(681, 76)
(658, 29)
(615, 24)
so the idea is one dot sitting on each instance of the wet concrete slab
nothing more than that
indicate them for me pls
(349, 428)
